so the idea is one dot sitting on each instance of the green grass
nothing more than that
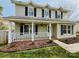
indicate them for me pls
(49, 52)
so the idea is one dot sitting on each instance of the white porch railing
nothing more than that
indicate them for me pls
(16, 36)
(41, 35)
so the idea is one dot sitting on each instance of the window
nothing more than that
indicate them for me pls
(31, 12)
(24, 29)
(46, 13)
(66, 29)
(63, 29)
(58, 14)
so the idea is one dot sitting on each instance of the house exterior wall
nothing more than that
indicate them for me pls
(77, 27)
(54, 30)
(53, 14)
(41, 28)
(20, 11)
(39, 12)
(17, 27)
(66, 35)
(66, 15)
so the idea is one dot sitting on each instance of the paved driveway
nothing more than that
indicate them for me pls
(69, 47)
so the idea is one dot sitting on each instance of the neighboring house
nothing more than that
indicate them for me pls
(36, 22)
(77, 28)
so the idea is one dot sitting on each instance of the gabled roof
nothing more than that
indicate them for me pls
(38, 5)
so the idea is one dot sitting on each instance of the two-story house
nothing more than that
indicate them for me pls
(36, 22)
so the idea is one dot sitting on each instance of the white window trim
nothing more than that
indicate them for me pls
(59, 14)
(67, 29)
(47, 10)
(29, 28)
(31, 11)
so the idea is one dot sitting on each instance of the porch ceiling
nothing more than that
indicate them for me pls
(26, 19)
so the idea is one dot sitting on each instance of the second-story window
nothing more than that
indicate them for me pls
(30, 11)
(46, 13)
(58, 14)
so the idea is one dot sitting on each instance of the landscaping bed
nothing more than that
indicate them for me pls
(27, 45)
(70, 40)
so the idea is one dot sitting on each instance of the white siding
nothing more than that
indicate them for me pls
(77, 27)
(53, 14)
(19, 10)
(39, 12)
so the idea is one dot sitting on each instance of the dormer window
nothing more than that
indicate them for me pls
(30, 11)
(46, 13)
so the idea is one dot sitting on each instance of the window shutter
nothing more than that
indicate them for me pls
(35, 12)
(42, 12)
(50, 13)
(21, 29)
(61, 15)
(26, 11)
(36, 29)
(55, 14)
(72, 29)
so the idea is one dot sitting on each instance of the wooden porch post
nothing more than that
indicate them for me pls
(32, 31)
(50, 32)
(10, 33)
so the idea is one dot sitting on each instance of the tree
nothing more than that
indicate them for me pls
(1, 9)
(2, 26)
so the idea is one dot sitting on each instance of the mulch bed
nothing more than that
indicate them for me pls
(70, 40)
(26, 45)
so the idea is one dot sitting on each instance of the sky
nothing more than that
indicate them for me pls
(72, 5)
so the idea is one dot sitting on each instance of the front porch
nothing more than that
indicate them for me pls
(32, 31)
(40, 30)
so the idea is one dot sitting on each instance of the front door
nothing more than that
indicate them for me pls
(26, 29)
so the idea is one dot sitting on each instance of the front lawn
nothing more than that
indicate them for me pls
(49, 52)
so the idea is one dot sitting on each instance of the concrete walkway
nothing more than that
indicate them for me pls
(69, 47)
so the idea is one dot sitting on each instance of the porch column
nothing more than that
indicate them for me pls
(10, 33)
(32, 31)
(50, 32)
